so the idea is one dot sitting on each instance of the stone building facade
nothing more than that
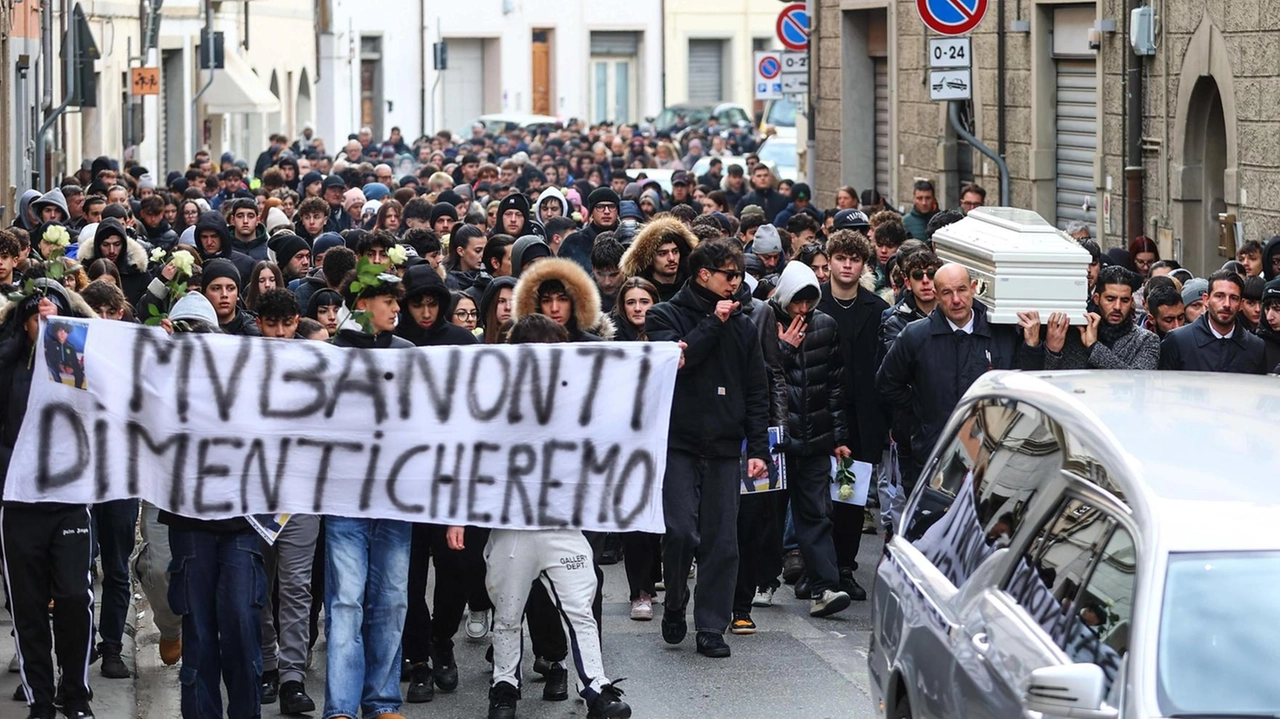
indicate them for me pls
(1207, 145)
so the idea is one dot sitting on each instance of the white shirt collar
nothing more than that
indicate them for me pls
(968, 328)
(1218, 335)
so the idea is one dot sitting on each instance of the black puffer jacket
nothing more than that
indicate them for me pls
(762, 316)
(422, 280)
(814, 371)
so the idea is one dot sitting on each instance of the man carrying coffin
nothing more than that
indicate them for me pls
(935, 360)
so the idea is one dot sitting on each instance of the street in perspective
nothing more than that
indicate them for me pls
(891, 359)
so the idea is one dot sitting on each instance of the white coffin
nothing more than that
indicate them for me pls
(1020, 263)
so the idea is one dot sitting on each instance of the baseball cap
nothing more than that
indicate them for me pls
(334, 181)
(680, 177)
(849, 219)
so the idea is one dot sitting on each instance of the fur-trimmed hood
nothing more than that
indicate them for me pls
(578, 285)
(639, 256)
(135, 252)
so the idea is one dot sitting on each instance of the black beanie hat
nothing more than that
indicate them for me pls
(286, 245)
(601, 194)
(216, 269)
(443, 209)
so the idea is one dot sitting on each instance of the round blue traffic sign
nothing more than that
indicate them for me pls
(770, 68)
(951, 17)
(793, 27)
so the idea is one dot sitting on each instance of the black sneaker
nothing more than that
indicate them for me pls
(612, 552)
(445, 672)
(850, 586)
(78, 709)
(406, 667)
(270, 686)
(113, 666)
(540, 666)
(294, 699)
(711, 644)
(557, 687)
(674, 626)
(502, 701)
(19, 694)
(41, 711)
(609, 704)
(420, 690)
(803, 591)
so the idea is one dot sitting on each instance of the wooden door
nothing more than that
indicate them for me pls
(541, 73)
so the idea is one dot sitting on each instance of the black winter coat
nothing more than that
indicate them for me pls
(929, 367)
(1194, 348)
(762, 316)
(1271, 350)
(815, 385)
(859, 328)
(771, 201)
(721, 394)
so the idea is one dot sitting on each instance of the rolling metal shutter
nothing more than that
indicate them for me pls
(706, 71)
(881, 65)
(464, 85)
(1077, 142)
(615, 43)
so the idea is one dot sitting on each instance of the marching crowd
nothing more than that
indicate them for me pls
(840, 326)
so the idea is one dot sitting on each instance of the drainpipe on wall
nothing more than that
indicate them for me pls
(1135, 213)
(1000, 80)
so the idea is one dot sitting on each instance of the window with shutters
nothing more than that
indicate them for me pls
(706, 71)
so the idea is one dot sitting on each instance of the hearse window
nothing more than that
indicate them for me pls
(1076, 580)
(979, 491)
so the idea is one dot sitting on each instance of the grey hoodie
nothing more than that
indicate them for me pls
(23, 204)
(552, 193)
(52, 197)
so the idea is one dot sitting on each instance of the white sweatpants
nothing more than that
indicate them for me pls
(561, 558)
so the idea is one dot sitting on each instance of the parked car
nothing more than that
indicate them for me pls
(727, 115)
(780, 153)
(1058, 558)
(506, 122)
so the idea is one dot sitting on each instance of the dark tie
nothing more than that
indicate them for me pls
(961, 334)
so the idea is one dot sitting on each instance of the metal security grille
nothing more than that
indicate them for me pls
(706, 71)
(464, 84)
(1076, 121)
(882, 124)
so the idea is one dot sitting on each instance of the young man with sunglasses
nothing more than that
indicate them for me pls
(916, 304)
(721, 398)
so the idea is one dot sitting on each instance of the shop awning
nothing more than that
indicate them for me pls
(237, 88)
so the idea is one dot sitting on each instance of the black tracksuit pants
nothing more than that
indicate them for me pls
(458, 574)
(46, 553)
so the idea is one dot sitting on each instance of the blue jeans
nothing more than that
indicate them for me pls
(115, 525)
(366, 597)
(218, 585)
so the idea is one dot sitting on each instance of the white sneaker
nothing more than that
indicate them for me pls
(477, 624)
(763, 598)
(642, 608)
(829, 603)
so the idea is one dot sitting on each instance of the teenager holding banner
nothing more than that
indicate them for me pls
(366, 560)
(559, 560)
(561, 290)
(424, 321)
(44, 546)
(721, 397)
(218, 586)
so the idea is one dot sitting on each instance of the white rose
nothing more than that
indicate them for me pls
(397, 255)
(182, 261)
(157, 255)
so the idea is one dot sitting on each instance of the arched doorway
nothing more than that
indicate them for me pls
(1204, 156)
(302, 108)
(1205, 181)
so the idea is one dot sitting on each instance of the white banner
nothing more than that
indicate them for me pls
(215, 426)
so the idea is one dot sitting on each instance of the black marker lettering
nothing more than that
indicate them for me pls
(593, 464)
(224, 395)
(549, 483)
(137, 438)
(642, 383)
(542, 395)
(270, 483)
(441, 397)
(477, 458)
(311, 378)
(57, 414)
(516, 471)
(148, 346)
(210, 471)
(370, 384)
(394, 477)
(637, 458)
(504, 382)
(322, 474)
(600, 354)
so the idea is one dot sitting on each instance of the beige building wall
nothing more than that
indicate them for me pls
(740, 24)
(1210, 133)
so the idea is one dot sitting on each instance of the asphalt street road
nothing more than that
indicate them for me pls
(793, 666)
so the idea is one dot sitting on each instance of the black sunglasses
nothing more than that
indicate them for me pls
(918, 275)
(730, 275)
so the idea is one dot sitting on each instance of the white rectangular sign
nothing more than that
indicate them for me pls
(949, 52)
(795, 72)
(216, 426)
(950, 85)
(768, 75)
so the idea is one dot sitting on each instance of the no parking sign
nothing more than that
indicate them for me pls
(951, 17)
(768, 75)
